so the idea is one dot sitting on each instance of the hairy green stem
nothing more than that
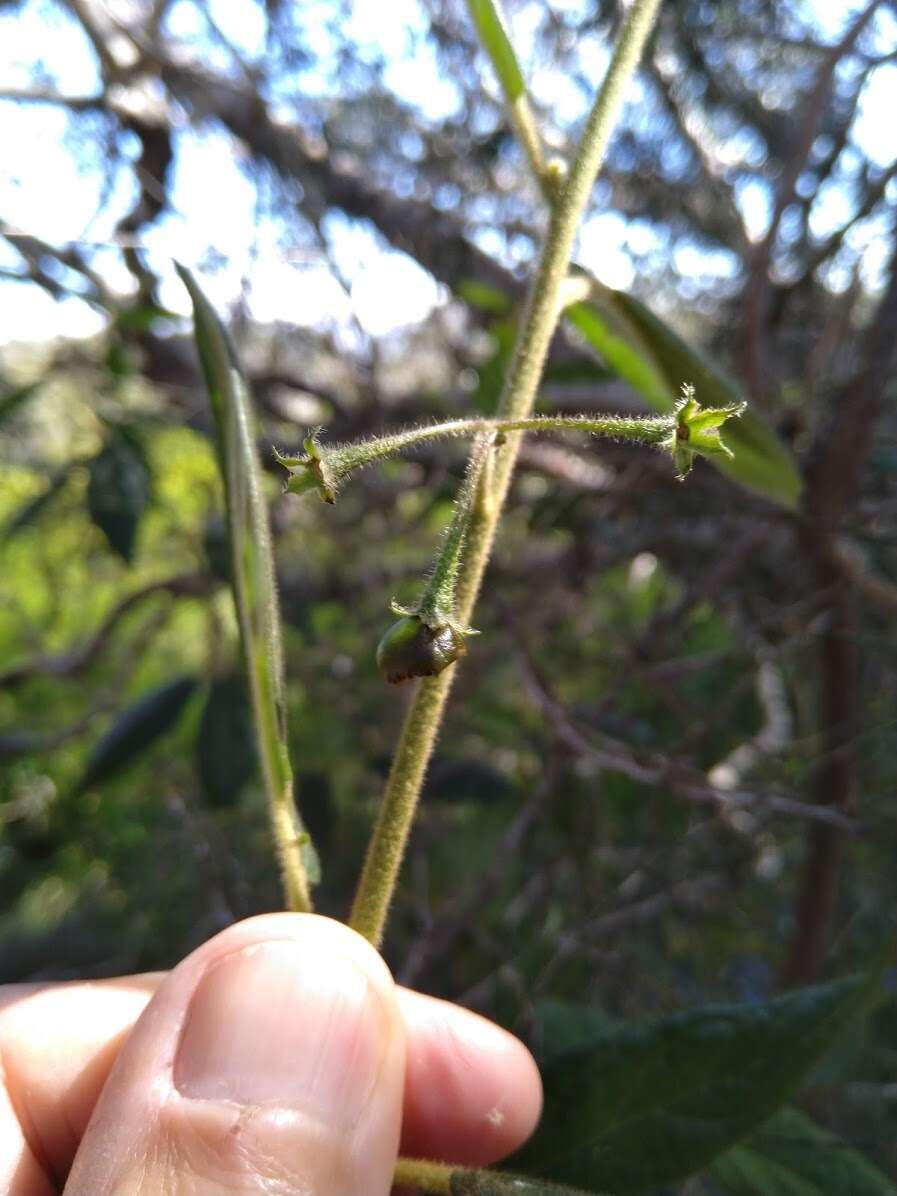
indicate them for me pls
(387, 844)
(426, 1176)
(437, 603)
(528, 135)
(342, 459)
(540, 319)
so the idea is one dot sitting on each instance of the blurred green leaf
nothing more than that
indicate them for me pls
(792, 1156)
(492, 372)
(657, 362)
(135, 730)
(118, 490)
(651, 1103)
(483, 296)
(621, 345)
(142, 316)
(226, 755)
(121, 361)
(490, 26)
(253, 583)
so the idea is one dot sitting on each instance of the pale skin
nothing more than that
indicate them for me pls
(278, 1058)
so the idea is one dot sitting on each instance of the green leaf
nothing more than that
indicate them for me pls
(621, 345)
(120, 359)
(562, 1027)
(483, 296)
(792, 1156)
(142, 316)
(118, 490)
(226, 756)
(496, 1183)
(135, 730)
(651, 1103)
(657, 363)
(492, 31)
(253, 584)
(493, 370)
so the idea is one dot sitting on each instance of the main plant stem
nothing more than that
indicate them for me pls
(387, 845)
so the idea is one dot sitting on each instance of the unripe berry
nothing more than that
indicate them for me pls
(411, 649)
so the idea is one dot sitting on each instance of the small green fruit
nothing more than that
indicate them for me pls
(411, 649)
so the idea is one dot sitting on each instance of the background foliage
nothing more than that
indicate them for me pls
(668, 769)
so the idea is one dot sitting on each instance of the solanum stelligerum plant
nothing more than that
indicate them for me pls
(627, 1108)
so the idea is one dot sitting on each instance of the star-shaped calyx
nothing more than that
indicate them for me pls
(697, 431)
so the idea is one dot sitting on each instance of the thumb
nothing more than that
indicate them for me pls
(271, 1060)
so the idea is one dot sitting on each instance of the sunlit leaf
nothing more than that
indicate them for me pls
(619, 343)
(657, 363)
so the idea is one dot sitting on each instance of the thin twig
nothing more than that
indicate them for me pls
(652, 768)
(78, 658)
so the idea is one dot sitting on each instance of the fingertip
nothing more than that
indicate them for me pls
(312, 927)
(473, 1093)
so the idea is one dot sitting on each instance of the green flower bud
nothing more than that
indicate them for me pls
(555, 175)
(411, 649)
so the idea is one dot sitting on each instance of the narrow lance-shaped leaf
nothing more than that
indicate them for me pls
(253, 587)
(493, 35)
(226, 756)
(489, 22)
(622, 347)
(657, 363)
(648, 1104)
(135, 731)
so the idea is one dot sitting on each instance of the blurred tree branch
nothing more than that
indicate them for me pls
(833, 479)
(75, 660)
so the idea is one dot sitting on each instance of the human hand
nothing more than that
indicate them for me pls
(271, 1060)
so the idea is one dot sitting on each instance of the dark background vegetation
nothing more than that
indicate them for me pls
(668, 770)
